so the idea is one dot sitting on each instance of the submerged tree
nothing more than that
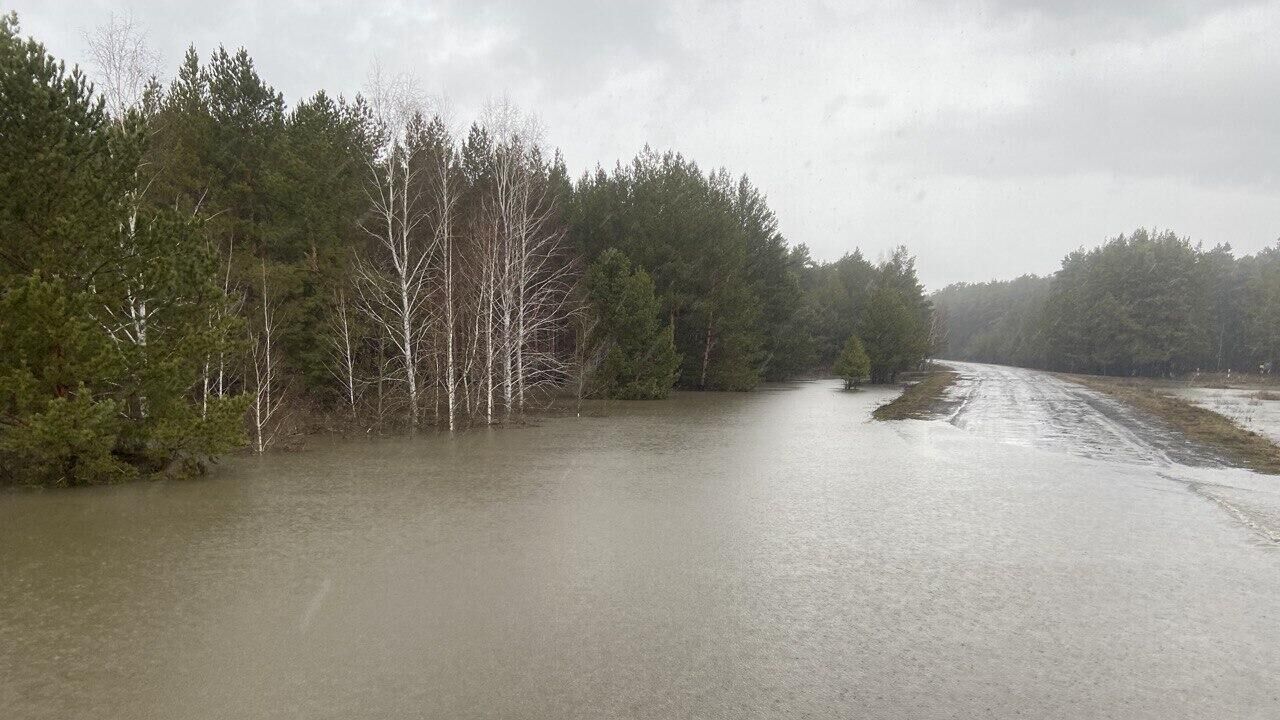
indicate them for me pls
(265, 374)
(224, 246)
(394, 277)
(343, 347)
(719, 266)
(891, 334)
(852, 365)
(533, 273)
(640, 360)
(57, 427)
(107, 296)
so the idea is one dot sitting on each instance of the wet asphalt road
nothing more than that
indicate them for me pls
(1044, 411)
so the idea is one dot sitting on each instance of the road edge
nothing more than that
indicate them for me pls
(1236, 443)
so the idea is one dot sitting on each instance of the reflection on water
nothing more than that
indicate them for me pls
(771, 554)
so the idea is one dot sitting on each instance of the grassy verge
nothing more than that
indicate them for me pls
(1223, 381)
(921, 401)
(1239, 445)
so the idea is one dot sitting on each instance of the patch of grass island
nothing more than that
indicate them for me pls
(924, 399)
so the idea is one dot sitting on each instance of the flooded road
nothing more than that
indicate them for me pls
(772, 554)
(1037, 409)
(1044, 411)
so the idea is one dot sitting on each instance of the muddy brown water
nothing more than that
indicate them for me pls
(772, 554)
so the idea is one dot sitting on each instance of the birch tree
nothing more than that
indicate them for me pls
(217, 377)
(444, 195)
(125, 68)
(490, 262)
(124, 63)
(534, 273)
(343, 342)
(393, 278)
(268, 397)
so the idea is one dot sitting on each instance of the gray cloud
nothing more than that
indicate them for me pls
(1199, 102)
(992, 137)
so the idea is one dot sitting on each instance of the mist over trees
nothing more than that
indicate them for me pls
(193, 266)
(998, 321)
(1147, 303)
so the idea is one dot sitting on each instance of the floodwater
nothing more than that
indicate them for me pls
(772, 554)
(1257, 409)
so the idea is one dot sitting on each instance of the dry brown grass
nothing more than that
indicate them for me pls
(923, 400)
(1241, 446)
(1223, 381)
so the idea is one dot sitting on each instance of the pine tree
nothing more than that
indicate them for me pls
(57, 427)
(168, 429)
(718, 264)
(59, 184)
(853, 364)
(641, 360)
(58, 190)
(835, 295)
(891, 334)
(104, 321)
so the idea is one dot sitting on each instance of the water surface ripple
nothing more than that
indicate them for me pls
(762, 555)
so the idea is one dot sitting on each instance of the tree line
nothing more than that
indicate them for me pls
(1147, 303)
(192, 266)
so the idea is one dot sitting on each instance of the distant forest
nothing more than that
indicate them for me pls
(1148, 303)
(192, 266)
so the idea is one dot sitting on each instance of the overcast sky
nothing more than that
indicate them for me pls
(991, 137)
